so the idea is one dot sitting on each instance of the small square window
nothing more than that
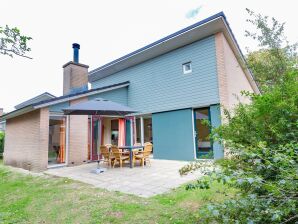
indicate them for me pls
(187, 68)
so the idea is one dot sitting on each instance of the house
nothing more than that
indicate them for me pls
(174, 83)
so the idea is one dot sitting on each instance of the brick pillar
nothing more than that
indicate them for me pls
(78, 137)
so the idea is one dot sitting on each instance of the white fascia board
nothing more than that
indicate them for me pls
(17, 113)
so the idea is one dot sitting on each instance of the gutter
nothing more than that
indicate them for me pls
(18, 112)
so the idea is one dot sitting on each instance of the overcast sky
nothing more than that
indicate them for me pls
(106, 30)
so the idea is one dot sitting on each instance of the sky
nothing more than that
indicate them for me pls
(107, 30)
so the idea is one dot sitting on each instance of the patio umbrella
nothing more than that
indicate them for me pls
(98, 107)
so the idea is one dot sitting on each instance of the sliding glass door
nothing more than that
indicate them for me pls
(57, 136)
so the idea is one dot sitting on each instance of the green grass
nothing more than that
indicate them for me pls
(47, 199)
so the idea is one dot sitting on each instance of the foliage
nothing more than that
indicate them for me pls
(12, 42)
(271, 118)
(1, 142)
(262, 139)
(276, 56)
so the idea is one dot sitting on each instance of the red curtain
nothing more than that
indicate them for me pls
(121, 133)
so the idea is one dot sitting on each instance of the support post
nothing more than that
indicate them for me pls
(142, 129)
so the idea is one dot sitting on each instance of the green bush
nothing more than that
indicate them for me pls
(1, 142)
(262, 163)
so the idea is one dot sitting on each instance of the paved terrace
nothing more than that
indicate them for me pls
(161, 177)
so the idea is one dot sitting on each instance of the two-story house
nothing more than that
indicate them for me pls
(174, 83)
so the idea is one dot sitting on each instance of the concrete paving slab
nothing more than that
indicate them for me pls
(160, 177)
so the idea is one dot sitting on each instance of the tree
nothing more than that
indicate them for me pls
(276, 56)
(12, 42)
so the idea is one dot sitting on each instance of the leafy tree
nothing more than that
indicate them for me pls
(12, 42)
(276, 56)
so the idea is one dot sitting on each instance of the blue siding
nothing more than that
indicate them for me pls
(173, 135)
(117, 96)
(160, 85)
(127, 131)
(215, 122)
(58, 107)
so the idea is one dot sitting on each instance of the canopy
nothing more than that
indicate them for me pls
(98, 107)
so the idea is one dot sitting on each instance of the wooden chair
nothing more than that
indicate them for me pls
(136, 151)
(107, 155)
(145, 154)
(119, 156)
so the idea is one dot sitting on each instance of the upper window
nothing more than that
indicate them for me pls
(187, 68)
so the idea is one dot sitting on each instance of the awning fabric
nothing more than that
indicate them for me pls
(98, 107)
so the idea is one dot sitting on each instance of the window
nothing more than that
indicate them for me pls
(187, 68)
(144, 130)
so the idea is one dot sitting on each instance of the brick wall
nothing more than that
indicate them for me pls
(78, 137)
(221, 71)
(231, 77)
(26, 140)
(74, 76)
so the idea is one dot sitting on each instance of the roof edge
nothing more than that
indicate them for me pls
(61, 99)
(215, 16)
(17, 112)
(24, 104)
(81, 94)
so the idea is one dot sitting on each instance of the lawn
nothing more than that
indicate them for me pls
(47, 199)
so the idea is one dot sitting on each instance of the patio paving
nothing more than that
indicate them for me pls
(161, 177)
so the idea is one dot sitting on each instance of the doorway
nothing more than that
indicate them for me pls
(57, 136)
(202, 134)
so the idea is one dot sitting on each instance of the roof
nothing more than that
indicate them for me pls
(202, 29)
(39, 98)
(61, 99)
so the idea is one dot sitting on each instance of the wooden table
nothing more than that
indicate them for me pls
(131, 148)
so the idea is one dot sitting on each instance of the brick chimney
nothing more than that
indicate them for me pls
(75, 75)
(1, 112)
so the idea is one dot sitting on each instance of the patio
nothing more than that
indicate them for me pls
(161, 177)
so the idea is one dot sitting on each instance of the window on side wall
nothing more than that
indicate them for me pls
(186, 67)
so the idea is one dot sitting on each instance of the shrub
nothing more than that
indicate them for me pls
(1, 142)
(262, 139)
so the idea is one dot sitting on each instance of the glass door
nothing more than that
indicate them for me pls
(202, 132)
(96, 136)
(57, 135)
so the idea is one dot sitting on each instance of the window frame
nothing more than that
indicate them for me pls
(184, 65)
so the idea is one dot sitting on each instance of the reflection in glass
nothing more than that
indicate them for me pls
(204, 146)
(57, 133)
